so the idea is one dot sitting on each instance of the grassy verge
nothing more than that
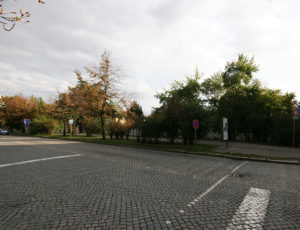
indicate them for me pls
(160, 145)
(200, 148)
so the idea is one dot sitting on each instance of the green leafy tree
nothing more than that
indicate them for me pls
(239, 72)
(180, 106)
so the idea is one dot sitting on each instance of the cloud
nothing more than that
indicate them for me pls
(155, 42)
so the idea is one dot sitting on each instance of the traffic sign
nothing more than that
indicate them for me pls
(26, 122)
(71, 122)
(196, 124)
(295, 114)
(299, 112)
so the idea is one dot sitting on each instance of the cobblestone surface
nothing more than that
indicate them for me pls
(111, 187)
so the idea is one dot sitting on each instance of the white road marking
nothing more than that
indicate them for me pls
(37, 160)
(220, 181)
(215, 185)
(253, 208)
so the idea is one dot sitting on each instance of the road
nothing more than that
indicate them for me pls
(54, 184)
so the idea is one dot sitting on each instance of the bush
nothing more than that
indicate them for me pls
(117, 129)
(90, 126)
(42, 124)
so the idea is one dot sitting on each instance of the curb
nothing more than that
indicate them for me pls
(213, 154)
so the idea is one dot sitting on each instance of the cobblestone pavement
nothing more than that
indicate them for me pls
(110, 187)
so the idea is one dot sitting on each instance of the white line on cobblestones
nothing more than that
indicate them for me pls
(215, 185)
(37, 160)
(253, 208)
(220, 181)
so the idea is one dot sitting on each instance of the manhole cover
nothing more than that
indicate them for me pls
(243, 175)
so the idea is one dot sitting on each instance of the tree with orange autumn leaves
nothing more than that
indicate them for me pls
(18, 108)
(93, 103)
(98, 97)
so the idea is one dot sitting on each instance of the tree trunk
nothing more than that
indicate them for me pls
(102, 125)
(172, 140)
(64, 129)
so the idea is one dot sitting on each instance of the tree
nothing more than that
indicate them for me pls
(212, 89)
(106, 77)
(134, 119)
(17, 109)
(180, 106)
(86, 103)
(238, 72)
(2, 110)
(62, 109)
(9, 19)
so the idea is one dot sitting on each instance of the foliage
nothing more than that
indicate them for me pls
(106, 77)
(62, 110)
(91, 126)
(17, 109)
(153, 127)
(180, 106)
(9, 19)
(116, 128)
(212, 89)
(255, 113)
(42, 124)
(238, 72)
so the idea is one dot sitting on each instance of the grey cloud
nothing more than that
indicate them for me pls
(155, 41)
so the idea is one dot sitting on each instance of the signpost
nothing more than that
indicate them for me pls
(71, 126)
(27, 125)
(196, 126)
(26, 122)
(295, 117)
(225, 130)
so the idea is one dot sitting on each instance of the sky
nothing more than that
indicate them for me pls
(154, 42)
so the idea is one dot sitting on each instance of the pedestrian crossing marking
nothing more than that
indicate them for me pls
(252, 209)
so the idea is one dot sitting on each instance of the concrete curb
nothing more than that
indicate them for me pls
(213, 154)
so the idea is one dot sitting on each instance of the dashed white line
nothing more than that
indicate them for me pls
(37, 160)
(215, 185)
(253, 208)
(220, 181)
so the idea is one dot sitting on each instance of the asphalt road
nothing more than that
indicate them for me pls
(52, 184)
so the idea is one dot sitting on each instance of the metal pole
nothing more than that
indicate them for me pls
(195, 136)
(294, 132)
(71, 129)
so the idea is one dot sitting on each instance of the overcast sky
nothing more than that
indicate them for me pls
(154, 41)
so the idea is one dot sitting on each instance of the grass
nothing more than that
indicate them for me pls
(160, 145)
(199, 148)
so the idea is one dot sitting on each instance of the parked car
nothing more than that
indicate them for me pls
(4, 131)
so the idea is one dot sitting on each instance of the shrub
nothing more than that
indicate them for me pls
(91, 126)
(42, 124)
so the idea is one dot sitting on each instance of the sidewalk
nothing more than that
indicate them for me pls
(267, 151)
